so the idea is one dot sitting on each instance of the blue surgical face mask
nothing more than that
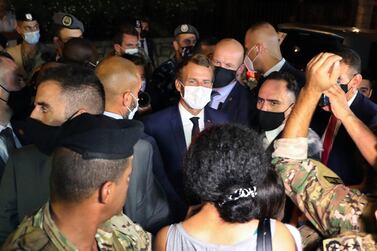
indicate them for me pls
(32, 37)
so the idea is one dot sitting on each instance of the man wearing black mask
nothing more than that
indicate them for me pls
(11, 82)
(164, 93)
(64, 92)
(276, 98)
(230, 96)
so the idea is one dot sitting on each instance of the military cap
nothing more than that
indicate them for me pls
(68, 21)
(100, 137)
(25, 15)
(186, 28)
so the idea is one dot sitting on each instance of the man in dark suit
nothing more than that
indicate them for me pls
(10, 82)
(340, 152)
(176, 126)
(64, 92)
(230, 96)
(147, 204)
(264, 55)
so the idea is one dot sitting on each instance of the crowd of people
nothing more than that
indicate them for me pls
(225, 146)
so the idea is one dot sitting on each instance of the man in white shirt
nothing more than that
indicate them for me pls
(263, 53)
(146, 201)
(276, 98)
(9, 82)
(230, 96)
(175, 127)
(340, 152)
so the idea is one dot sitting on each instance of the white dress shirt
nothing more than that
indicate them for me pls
(112, 115)
(224, 93)
(187, 124)
(271, 135)
(16, 141)
(276, 67)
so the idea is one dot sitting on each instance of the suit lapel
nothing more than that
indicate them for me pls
(177, 129)
(208, 121)
(230, 99)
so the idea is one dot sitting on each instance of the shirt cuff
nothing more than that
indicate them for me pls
(291, 148)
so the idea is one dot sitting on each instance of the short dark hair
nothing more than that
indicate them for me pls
(198, 59)
(292, 85)
(74, 179)
(226, 158)
(350, 58)
(81, 51)
(79, 85)
(124, 29)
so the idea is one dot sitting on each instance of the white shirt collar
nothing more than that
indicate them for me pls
(16, 140)
(272, 134)
(225, 90)
(276, 67)
(187, 124)
(186, 115)
(349, 102)
(112, 115)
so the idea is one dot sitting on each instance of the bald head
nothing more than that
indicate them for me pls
(265, 34)
(228, 54)
(118, 75)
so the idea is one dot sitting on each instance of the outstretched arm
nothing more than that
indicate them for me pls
(363, 137)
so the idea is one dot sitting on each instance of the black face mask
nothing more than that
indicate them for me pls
(21, 102)
(270, 120)
(187, 52)
(45, 137)
(223, 77)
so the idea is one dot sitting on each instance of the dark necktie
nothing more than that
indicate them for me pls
(195, 129)
(7, 135)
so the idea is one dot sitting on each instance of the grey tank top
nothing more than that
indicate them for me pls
(179, 239)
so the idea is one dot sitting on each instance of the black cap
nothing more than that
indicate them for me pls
(186, 28)
(68, 21)
(99, 136)
(25, 15)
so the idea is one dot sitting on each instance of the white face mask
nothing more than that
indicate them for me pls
(134, 110)
(131, 51)
(197, 97)
(249, 64)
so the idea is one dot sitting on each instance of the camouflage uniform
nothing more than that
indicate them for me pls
(163, 92)
(335, 210)
(39, 232)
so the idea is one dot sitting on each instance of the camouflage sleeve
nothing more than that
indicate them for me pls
(319, 193)
(28, 237)
(130, 235)
(350, 241)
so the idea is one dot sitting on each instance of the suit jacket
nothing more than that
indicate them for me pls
(299, 75)
(344, 157)
(25, 187)
(146, 202)
(240, 106)
(287, 67)
(167, 129)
